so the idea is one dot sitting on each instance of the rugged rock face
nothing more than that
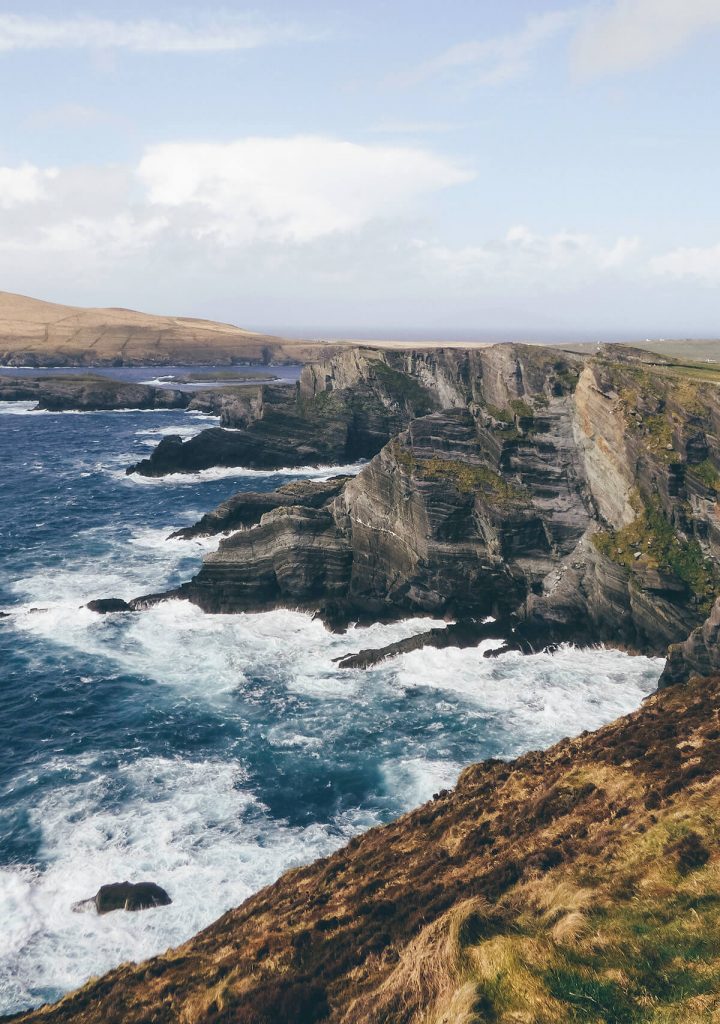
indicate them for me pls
(341, 411)
(570, 501)
(248, 507)
(698, 655)
(579, 883)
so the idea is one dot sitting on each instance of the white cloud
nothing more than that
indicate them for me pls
(495, 60)
(148, 35)
(699, 263)
(23, 184)
(289, 189)
(523, 258)
(631, 34)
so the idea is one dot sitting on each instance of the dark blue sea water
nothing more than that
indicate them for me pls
(206, 753)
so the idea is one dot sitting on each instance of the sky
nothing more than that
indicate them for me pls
(396, 168)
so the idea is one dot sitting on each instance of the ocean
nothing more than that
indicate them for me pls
(205, 753)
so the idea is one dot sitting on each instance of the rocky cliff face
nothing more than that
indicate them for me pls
(579, 883)
(568, 500)
(349, 406)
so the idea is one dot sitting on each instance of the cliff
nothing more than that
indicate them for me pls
(575, 884)
(344, 409)
(571, 500)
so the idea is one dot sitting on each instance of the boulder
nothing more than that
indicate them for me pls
(104, 605)
(125, 896)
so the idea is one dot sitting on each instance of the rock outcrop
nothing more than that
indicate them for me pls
(248, 507)
(569, 501)
(90, 393)
(340, 411)
(578, 883)
(699, 655)
(131, 896)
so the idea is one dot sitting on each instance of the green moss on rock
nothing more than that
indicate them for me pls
(659, 546)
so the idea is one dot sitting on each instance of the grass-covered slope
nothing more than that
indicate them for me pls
(37, 333)
(581, 884)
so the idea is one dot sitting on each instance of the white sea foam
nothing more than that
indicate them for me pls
(544, 696)
(28, 409)
(198, 828)
(125, 567)
(150, 438)
(16, 408)
(224, 472)
(413, 780)
(191, 826)
(163, 642)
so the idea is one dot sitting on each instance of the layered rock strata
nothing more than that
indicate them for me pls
(569, 500)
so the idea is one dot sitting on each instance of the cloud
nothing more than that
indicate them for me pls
(200, 199)
(495, 60)
(23, 184)
(628, 35)
(289, 189)
(147, 35)
(522, 258)
(698, 263)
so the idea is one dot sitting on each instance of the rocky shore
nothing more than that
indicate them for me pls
(524, 494)
(571, 499)
(89, 393)
(94, 393)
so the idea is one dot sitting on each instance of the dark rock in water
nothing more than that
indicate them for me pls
(90, 393)
(125, 896)
(4, 615)
(108, 604)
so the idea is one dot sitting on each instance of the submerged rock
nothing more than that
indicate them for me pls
(125, 896)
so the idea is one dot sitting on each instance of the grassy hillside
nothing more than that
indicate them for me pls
(580, 884)
(36, 333)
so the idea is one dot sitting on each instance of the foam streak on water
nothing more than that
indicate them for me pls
(207, 753)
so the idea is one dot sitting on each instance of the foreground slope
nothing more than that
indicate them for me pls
(577, 884)
(37, 333)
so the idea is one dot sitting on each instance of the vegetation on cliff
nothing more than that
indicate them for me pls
(651, 542)
(581, 884)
